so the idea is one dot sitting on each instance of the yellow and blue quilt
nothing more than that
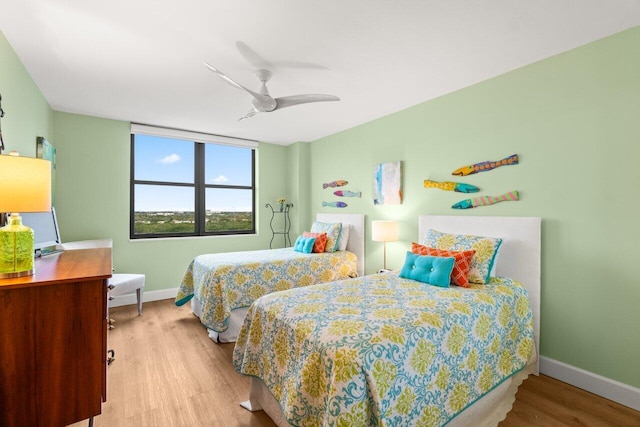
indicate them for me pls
(225, 281)
(382, 350)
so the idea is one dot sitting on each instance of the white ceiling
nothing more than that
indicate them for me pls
(141, 60)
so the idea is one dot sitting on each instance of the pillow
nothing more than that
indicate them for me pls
(304, 244)
(344, 237)
(486, 250)
(460, 273)
(333, 233)
(321, 241)
(428, 269)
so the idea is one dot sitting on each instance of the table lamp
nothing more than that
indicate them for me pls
(384, 231)
(25, 186)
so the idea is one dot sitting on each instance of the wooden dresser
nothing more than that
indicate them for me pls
(53, 340)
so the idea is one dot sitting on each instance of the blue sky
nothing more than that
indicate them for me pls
(164, 159)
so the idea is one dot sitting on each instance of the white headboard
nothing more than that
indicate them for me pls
(356, 235)
(519, 255)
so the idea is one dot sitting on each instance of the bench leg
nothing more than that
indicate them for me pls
(139, 295)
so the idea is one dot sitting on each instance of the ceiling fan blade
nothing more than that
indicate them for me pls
(232, 82)
(252, 57)
(258, 62)
(298, 65)
(288, 101)
(251, 113)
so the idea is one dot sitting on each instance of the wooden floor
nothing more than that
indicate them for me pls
(169, 373)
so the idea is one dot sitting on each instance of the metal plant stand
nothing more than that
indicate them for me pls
(282, 209)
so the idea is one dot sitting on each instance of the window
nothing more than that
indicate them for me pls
(182, 184)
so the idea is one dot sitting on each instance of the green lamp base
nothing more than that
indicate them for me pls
(16, 249)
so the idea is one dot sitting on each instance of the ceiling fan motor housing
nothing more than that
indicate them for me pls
(265, 104)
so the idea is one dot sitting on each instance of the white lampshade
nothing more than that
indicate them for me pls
(384, 231)
(25, 184)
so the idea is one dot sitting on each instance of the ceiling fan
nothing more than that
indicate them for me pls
(265, 103)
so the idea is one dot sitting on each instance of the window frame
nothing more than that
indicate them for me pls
(199, 188)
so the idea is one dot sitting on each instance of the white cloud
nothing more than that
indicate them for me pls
(171, 158)
(220, 178)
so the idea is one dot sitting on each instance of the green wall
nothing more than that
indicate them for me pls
(299, 187)
(27, 113)
(573, 121)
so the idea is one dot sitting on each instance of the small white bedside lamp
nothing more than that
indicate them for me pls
(25, 186)
(384, 231)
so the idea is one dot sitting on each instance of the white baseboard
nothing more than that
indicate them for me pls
(147, 296)
(602, 386)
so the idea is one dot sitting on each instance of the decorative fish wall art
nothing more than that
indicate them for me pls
(334, 204)
(451, 186)
(333, 184)
(485, 166)
(339, 193)
(511, 196)
(347, 193)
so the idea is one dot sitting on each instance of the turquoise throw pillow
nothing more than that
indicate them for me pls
(428, 269)
(304, 244)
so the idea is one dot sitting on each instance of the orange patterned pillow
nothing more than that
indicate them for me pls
(321, 241)
(461, 265)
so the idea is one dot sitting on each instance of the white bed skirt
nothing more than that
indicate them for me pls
(487, 411)
(235, 323)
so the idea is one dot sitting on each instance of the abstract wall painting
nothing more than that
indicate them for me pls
(387, 183)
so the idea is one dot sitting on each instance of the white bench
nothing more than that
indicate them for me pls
(120, 284)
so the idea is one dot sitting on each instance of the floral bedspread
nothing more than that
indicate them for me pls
(382, 350)
(225, 281)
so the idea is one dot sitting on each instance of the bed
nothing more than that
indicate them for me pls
(414, 362)
(222, 286)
